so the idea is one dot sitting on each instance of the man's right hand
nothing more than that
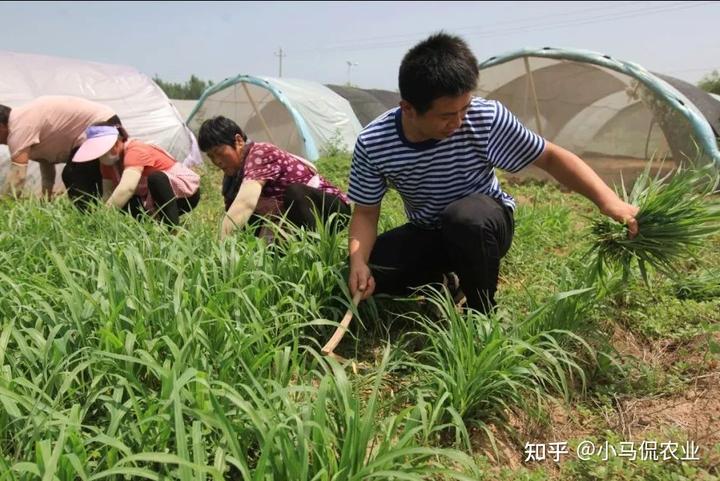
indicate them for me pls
(361, 279)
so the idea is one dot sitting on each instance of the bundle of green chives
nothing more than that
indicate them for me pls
(676, 213)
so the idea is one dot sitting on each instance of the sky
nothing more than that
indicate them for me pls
(357, 42)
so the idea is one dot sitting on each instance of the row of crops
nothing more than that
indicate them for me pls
(129, 352)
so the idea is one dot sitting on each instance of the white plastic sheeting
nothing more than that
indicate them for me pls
(142, 106)
(573, 104)
(299, 116)
(598, 106)
(184, 107)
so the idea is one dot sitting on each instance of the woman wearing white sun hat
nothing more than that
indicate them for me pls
(130, 167)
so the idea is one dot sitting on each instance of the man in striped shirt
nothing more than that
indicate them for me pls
(438, 149)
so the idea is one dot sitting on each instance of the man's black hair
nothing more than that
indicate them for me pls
(218, 131)
(440, 66)
(4, 114)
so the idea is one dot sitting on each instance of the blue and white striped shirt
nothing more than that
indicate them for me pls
(431, 175)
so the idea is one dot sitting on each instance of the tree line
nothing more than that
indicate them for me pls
(711, 82)
(190, 90)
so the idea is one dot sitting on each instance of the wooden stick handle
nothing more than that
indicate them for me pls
(342, 328)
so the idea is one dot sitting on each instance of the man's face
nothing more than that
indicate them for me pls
(444, 117)
(227, 157)
(3, 134)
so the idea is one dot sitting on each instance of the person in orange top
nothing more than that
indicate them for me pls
(131, 168)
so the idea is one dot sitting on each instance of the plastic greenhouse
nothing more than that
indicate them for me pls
(141, 105)
(184, 107)
(604, 108)
(367, 104)
(299, 116)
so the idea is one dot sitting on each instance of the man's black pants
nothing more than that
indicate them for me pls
(475, 233)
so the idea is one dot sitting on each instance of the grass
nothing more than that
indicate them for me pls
(127, 352)
(702, 287)
(487, 367)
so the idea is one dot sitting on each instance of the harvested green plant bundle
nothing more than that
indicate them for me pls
(676, 213)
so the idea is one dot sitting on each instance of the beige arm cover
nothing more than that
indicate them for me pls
(126, 188)
(242, 207)
(15, 179)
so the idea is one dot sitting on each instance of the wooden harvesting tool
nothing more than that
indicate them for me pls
(330, 346)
